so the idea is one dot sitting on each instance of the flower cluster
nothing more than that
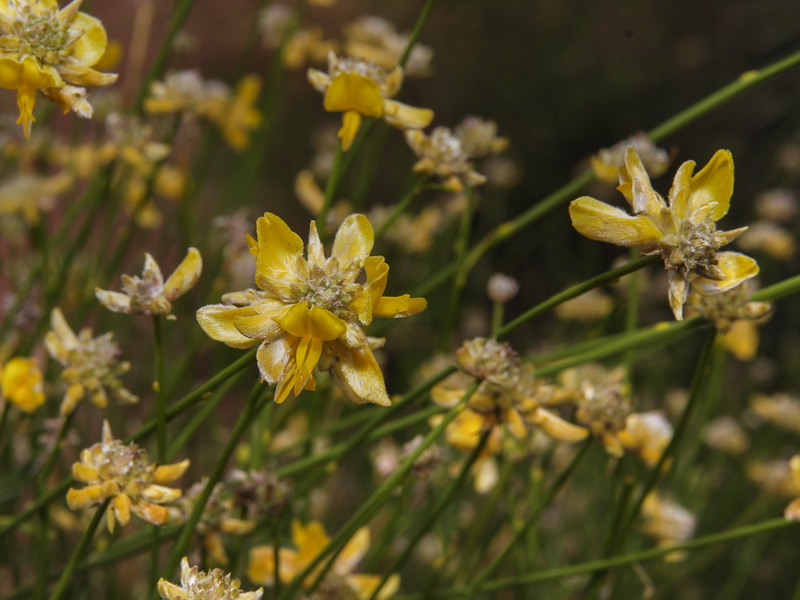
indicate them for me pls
(53, 51)
(21, 383)
(91, 365)
(201, 585)
(311, 309)
(124, 475)
(359, 88)
(682, 231)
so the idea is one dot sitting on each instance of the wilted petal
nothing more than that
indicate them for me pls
(361, 376)
(274, 357)
(736, 267)
(113, 301)
(603, 222)
(185, 275)
(678, 293)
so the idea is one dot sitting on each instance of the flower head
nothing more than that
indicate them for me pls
(150, 294)
(359, 88)
(442, 154)
(91, 364)
(124, 474)
(607, 162)
(201, 585)
(377, 40)
(683, 231)
(21, 383)
(51, 50)
(311, 309)
(668, 522)
(309, 541)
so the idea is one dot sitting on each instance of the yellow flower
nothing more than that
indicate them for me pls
(309, 541)
(199, 585)
(310, 309)
(683, 232)
(442, 153)
(668, 522)
(123, 474)
(792, 511)
(359, 88)
(44, 48)
(90, 364)
(150, 294)
(647, 434)
(21, 383)
(377, 40)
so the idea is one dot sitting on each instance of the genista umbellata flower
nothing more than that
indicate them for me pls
(339, 582)
(91, 364)
(150, 294)
(359, 88)
(683, 231)
(50, 50)
(123, 474)
(310, 309)
(21, 383)
(201, 585)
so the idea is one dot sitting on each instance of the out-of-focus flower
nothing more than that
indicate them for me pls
(29, 194)
(441, 153)
(591, 306)
(412, 234)
(51, 50)
(21, 383)
(683, 232)
(201, 585)
(668, 522)
(603, 402)
(479, 137)
(300, 46)
(782, 410)
(502, 288)
(774, 477)
(727, 435)
(339, 582)
(769, 238)
(124, 474)
(310, 309)
(376, 39)
(150, 294)
(237, 116)
(734, 316)
(778, 206)
(647, 434)
(91, 364)
(608, 161)
(359, 89)
(792, 511)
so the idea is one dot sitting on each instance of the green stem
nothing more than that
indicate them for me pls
(158, 387)
(417, 31)
(462, 242)
(331, 190)
(401, 207)
(187, 531)
(441, 503)
(608, 563)
(77, 554)
(179, 15)
(370, 506)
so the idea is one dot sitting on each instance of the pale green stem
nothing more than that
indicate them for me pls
(400, 208)
(187, 531)
(417, 31)
(158, 388)
(77, 554)
(367, 510)
(331, 190)
(607, 563)
(444, 498)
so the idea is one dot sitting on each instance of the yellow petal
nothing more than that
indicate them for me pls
(151, 513)
(113, 301)
(634, 177)
(736, 267)
(185, 275)
(217, 321)
(713, 184)
(557, 428)
(353, 552)
(80, 499)
(121, 505)
(603, 222)
(361, 376)
(305, 321)
(90, 47)
(279, 250)
(354, 92)
(354, 240)
(405, 116)
(273, 358)
(351, 122)
(26, 99)
(167, 473)
(83, 473)
(741, 340)
(399, 306)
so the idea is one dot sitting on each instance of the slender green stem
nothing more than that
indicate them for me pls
(331, 190)
(78, 553)
(442, 502)
(158, 387)
(461, 244)
(521, 531)
(187, 531)
(55, 452)
(608, 563)
(370, 506)
(179, 15)
(417, 31)
(401, 207)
